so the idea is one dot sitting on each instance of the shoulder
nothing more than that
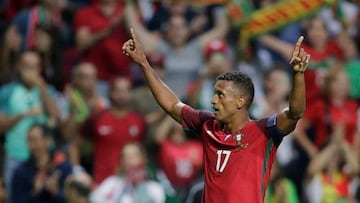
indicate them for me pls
(203, 115)
(7, 91)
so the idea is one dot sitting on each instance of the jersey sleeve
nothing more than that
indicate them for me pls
(272, 130)
(194, 119)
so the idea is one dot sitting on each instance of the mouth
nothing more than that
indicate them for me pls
(215, 110)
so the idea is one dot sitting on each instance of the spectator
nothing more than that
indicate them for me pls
(47, 12)
(131, 183)
(183, 57)
(41, 178)
(276, 88)
(331, 171)
(83, 101)
(22, 104)
(158, 22)
(352, 64)
(77, 188)
(281, 189)
(201, 90)
(110, 130)
(179, 157)
(325, 114)
(100, 33)
(9, 54)
(49, 46)
(324, 53)
(83, 98)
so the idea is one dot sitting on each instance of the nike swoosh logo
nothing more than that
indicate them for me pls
(227, 137)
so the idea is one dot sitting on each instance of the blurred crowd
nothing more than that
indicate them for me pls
(78, 123)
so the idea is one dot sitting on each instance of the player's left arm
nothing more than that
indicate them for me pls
(286, 120)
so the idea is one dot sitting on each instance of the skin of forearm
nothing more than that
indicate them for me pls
(350, 157)
(93, 39)
(6, 123)
(297, 101)
(320, 161)
(163, 95)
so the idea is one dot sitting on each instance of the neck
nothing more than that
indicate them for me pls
(119, 111)
(108, 7)
(238, 121)
(179, 139)
(42, 159)
(88, 95)
(337, 101)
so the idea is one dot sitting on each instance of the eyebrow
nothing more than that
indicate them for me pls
(217, 91)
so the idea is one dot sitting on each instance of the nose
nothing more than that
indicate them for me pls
(214, 99)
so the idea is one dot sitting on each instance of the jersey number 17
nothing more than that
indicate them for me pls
(221, 162)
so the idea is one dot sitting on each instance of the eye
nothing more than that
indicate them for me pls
(220, 94)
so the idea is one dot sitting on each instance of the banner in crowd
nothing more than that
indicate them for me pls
(279, 15)
(240, 11)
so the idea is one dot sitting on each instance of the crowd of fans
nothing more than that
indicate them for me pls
(79, 124)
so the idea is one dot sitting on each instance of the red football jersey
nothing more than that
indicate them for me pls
(324, 116)
(109, 134)
(181, 163)
(237, 165)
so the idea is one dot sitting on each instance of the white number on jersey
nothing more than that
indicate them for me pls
(220, 167)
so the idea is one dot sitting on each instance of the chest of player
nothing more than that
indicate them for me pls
(112, 131)
(243, 153)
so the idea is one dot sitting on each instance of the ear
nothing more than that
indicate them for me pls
(241, 102)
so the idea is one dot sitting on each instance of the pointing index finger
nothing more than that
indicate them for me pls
(133, 35)
(298, 45)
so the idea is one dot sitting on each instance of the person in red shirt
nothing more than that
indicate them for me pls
(179, 157)
(334, 110)
(100, 34)
(238, 152)
(110, 130)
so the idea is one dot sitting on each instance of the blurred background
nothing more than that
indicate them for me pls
(78, 123)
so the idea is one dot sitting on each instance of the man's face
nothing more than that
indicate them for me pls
(317, 33)
(29, 67)
(86, 78)
(132, 157)
(37, 142)
(177, 31)
(226, 101)
(121, 92)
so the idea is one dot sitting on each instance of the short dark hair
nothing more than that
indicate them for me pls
(45, 130)
(241, 81)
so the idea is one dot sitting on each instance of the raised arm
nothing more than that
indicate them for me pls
(148, 39)
(277, 45)
(286, 121)
(219, 31)
(163, 95)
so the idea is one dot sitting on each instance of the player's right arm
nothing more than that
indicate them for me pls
(162, 93)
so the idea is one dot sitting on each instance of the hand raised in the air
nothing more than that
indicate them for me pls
(299, 58)
(133, 48)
